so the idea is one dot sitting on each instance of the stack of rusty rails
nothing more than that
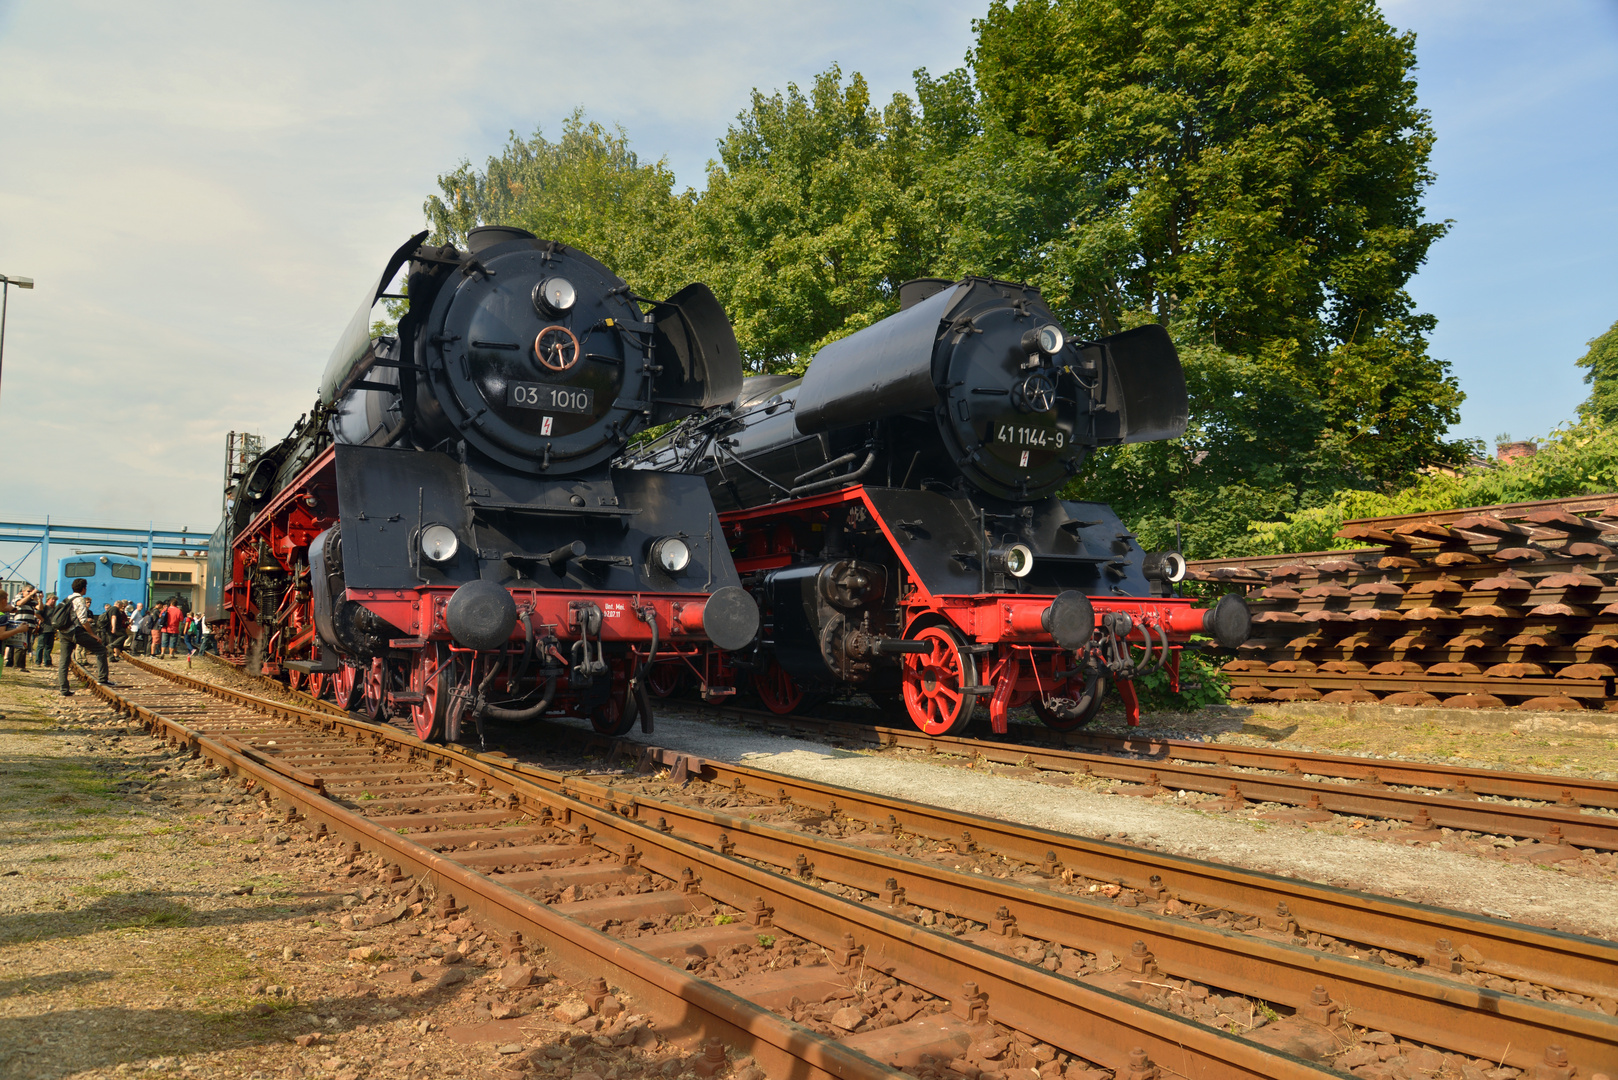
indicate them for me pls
(1482, 608)
(892, 938)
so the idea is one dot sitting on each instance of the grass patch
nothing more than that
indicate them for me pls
(139, 911)
(92, 890)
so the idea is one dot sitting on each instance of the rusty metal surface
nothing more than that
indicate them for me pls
(1266, 964)
(1482, 607)
(1566, 790)
(1087, 1021)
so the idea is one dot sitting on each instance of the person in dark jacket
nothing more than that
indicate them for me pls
(46, 640)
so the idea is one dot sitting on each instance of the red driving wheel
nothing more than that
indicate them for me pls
(779, 691)
(375, 696)
(294, 679)
(431, 676)
(934, 682)
(316, 687)
(663, 679)
(346, 686)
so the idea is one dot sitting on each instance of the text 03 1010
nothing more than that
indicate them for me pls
(527, 395)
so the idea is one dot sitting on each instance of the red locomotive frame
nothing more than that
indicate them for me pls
(1008, 651)
(420, 669)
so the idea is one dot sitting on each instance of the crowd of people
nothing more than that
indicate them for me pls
(34, 624)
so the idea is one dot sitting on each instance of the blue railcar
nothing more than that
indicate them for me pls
(109, 577)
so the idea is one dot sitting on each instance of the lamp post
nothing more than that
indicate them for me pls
(6, 283)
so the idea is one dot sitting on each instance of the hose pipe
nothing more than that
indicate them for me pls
(531, 712)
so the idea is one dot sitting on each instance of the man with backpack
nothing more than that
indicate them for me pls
(74, 624)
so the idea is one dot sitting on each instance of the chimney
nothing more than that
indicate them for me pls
(1506, 453)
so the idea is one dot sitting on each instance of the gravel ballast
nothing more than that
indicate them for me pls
(1579, 898)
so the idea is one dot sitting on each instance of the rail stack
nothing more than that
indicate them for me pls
(1485, 607)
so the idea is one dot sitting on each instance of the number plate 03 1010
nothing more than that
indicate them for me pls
(527, 395)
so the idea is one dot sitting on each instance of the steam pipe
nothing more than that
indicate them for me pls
(836, 481)
(826, 467)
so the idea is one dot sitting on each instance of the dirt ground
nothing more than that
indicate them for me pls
(153, 921)
(1579, 744)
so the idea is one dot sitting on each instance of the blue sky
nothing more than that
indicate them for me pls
(1524, 99)
(202, 191)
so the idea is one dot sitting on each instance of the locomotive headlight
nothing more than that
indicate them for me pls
(670, 554)
(1016, 560)
(439, 543)
(1019, 560)
(1047, 340)
(1166, 566)
(554, 295)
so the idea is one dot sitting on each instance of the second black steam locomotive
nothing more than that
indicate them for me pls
(895, 512)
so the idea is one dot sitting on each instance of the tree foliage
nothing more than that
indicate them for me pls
(811, 218)
(588, 189)
(1267, 160)
(1601, 364)
(1578, 459)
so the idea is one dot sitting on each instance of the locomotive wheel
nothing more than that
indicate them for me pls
(294, 679)
(375, 691)
(347, 685)
(933, 682)
(1096, 686)
(316, 685)
(431, 676)
(662, 680)
(779, 691)
(612, 717)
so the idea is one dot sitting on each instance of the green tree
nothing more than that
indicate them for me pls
(1602, 363)
(588, 189)
(1266, 161)
(811, 218)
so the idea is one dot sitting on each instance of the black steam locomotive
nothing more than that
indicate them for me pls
(895, 512)
(445, 533)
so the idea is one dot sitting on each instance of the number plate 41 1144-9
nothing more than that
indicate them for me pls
(527, 395)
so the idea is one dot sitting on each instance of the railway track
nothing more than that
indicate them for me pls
(1573, 812)
(942, 937)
